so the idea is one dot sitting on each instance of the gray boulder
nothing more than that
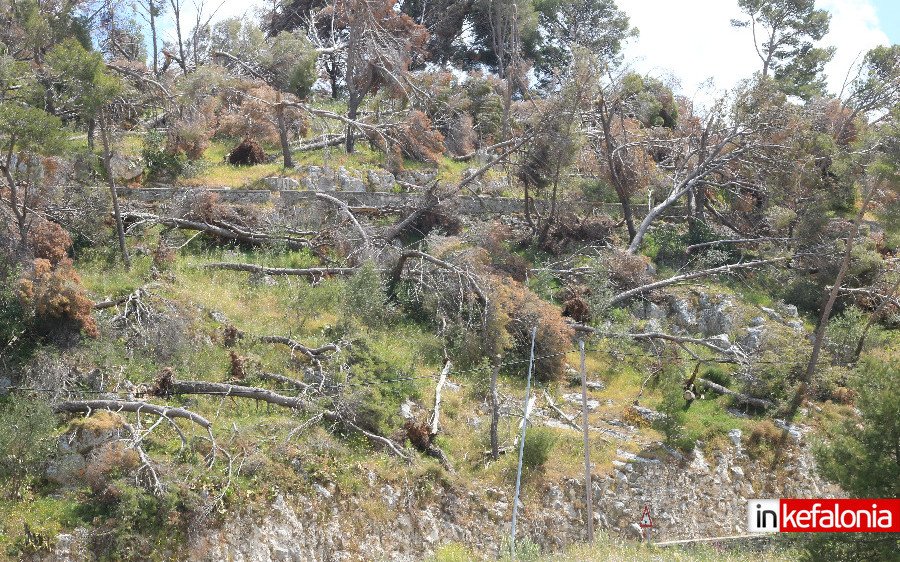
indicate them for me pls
(125, 169)
(381, 180)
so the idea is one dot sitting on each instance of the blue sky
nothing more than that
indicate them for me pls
(889, 16)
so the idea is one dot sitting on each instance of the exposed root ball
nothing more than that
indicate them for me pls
(248, 153)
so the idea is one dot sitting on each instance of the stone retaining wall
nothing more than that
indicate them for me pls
(468, 205)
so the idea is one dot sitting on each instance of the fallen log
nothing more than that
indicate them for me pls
(166, 387)
(310, 351)
(436, 414)
(133, 406)
(311, 272)
(287, 381)
(625, 295)
(222, 230)
(737, 396)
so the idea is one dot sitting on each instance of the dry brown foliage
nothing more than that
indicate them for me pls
(54, 294)
(49, 241)
(518, 310)
(627, 271)
(247, 111)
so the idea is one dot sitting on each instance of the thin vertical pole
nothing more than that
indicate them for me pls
(512, 542)
(495, 409)
(588, 488)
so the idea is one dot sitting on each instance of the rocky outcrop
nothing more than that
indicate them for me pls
(689, 497)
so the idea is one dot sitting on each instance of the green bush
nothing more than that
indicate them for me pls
(161, 163)
(671, 424)
(27, 438)
(717, 375)
(539, 443)
(365, 298)
(843, 335)
(452, 552)
(665, 245)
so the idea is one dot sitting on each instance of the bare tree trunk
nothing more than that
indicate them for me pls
(283, 134)
(819, 336)
(107, 164)
(176, 11)
(153, 38)
(628, 215)
(352, 108)
(625, 295)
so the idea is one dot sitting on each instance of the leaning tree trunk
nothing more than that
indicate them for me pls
(107, 164)
(819, 335)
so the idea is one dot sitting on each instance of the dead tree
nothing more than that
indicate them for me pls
(310, 272)
(625, 295)
(172, 386)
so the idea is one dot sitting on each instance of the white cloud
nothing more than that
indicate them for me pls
(694, 40)
(854, 30)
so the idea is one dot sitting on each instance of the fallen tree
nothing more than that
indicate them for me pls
(170, 386)
(625, 295)
(739, 397)
(311, 272)
(295, 345)
(220, 229)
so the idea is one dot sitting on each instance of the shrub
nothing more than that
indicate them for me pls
(764, 439)
(518, 310)
(365, 297)
(161, 163)
(55, 298)
(671, 424)
(843, 335)
(247, 153)
(189, 137)
(27, 438)
(49, 241)
(539, 443)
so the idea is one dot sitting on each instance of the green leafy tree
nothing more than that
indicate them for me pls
(863, 455)
(88, 89)
(25, 132)
(784, 32)
(596, 25)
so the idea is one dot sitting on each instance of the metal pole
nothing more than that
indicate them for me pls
(588, 487)
(495, 409)
(512, 542)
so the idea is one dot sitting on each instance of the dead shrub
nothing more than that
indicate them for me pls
(843, 395)
(106, 463)
(438, 219)
(575, 303)
(231, 335)
(238, 366)
(625, 270)
(461, 137)
(56, 298)
(163, 255)
(247, 153)
(189, 137)
(518, 310)
(49, 241)
(418, 433)
(496, 239)
(246, 112)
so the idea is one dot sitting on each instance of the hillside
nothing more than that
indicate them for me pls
(400, 287)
